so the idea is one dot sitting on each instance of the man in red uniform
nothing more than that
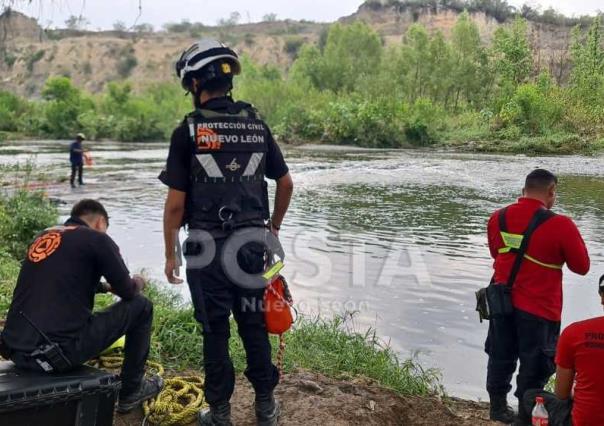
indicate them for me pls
(580, 357)
(531, 333)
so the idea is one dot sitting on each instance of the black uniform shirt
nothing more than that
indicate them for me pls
(177, 173)
(58, 281)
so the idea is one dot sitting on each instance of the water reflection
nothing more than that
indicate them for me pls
(398, 236)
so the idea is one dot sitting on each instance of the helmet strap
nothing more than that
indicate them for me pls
(197, 96)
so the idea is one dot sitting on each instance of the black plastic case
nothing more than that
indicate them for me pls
(83, 397)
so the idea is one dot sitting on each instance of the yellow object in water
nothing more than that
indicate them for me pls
(118, 344)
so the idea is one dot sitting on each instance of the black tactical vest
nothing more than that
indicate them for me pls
(227, 189)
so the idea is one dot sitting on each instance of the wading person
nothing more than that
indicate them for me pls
(530, 332)
(580, 361)
(54, 297)
(76, 158)
(217, 164)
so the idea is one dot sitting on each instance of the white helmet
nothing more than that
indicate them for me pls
(202, 54)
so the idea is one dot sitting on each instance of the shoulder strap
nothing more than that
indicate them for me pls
(248, 108)
(537, 220)
(502, 222)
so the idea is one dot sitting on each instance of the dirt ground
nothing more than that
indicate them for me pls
(312, 399)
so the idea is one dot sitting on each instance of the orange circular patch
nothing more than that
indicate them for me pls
(44, 246)
(207, 139)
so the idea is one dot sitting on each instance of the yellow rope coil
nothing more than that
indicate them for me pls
(178, 402)
(181, 397)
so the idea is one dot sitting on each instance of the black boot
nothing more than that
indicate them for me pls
(267, 410)
(148, 389)
(524, 418)
(216, 415)
(500, 410)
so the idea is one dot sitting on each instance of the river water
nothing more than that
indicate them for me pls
(397, 237)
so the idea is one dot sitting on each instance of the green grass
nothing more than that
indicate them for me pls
(9, 269)
(327, 346)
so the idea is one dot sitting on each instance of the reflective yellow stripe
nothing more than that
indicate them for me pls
(532, 259)
(273, 271)
(545, 265)
(512, 240)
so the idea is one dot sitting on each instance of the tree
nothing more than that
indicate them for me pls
(513, 53)
(119, 26)
(232, 20)
(180, 27)
(269, 17)
(60, 89)
(440, 60)
(469, 61)
(587, 78)
(77, 22)
(64, 103)
(143, 28)
(350, 53)
(415, 55)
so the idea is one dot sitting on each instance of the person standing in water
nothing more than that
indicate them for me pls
(76, 157)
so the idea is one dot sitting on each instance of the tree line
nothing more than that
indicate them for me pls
(351, 88)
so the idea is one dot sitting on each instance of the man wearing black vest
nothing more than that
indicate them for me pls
(530, 333)
(218, 160)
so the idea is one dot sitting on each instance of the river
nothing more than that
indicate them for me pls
(398, 237)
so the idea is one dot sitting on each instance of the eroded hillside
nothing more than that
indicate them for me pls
(29, 54)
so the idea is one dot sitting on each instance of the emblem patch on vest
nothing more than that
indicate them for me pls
(207, 139)
(233, 166)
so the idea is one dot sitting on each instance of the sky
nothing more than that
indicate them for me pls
(102, 14)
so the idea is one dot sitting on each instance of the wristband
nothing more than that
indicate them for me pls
(278, 228)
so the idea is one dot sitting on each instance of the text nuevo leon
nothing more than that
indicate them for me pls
(231, 139)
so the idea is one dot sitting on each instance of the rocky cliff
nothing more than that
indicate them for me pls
(29, 54)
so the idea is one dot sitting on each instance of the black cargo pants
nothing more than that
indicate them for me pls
(132, 318)
(214, 297)
(520, 337)
(79, 169)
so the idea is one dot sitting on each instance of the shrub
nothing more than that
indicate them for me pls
(23, 215)
(532, 110)
(9, 269)
(10, 59)
(363, 122)
(35, 57)
(422, 123)
(178, 27)
(126, 64)
(249, 39)
(87, 68)
(11, 108)
(293, 45)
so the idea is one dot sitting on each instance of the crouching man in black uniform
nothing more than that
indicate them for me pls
(218, 161)
(50, 325)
